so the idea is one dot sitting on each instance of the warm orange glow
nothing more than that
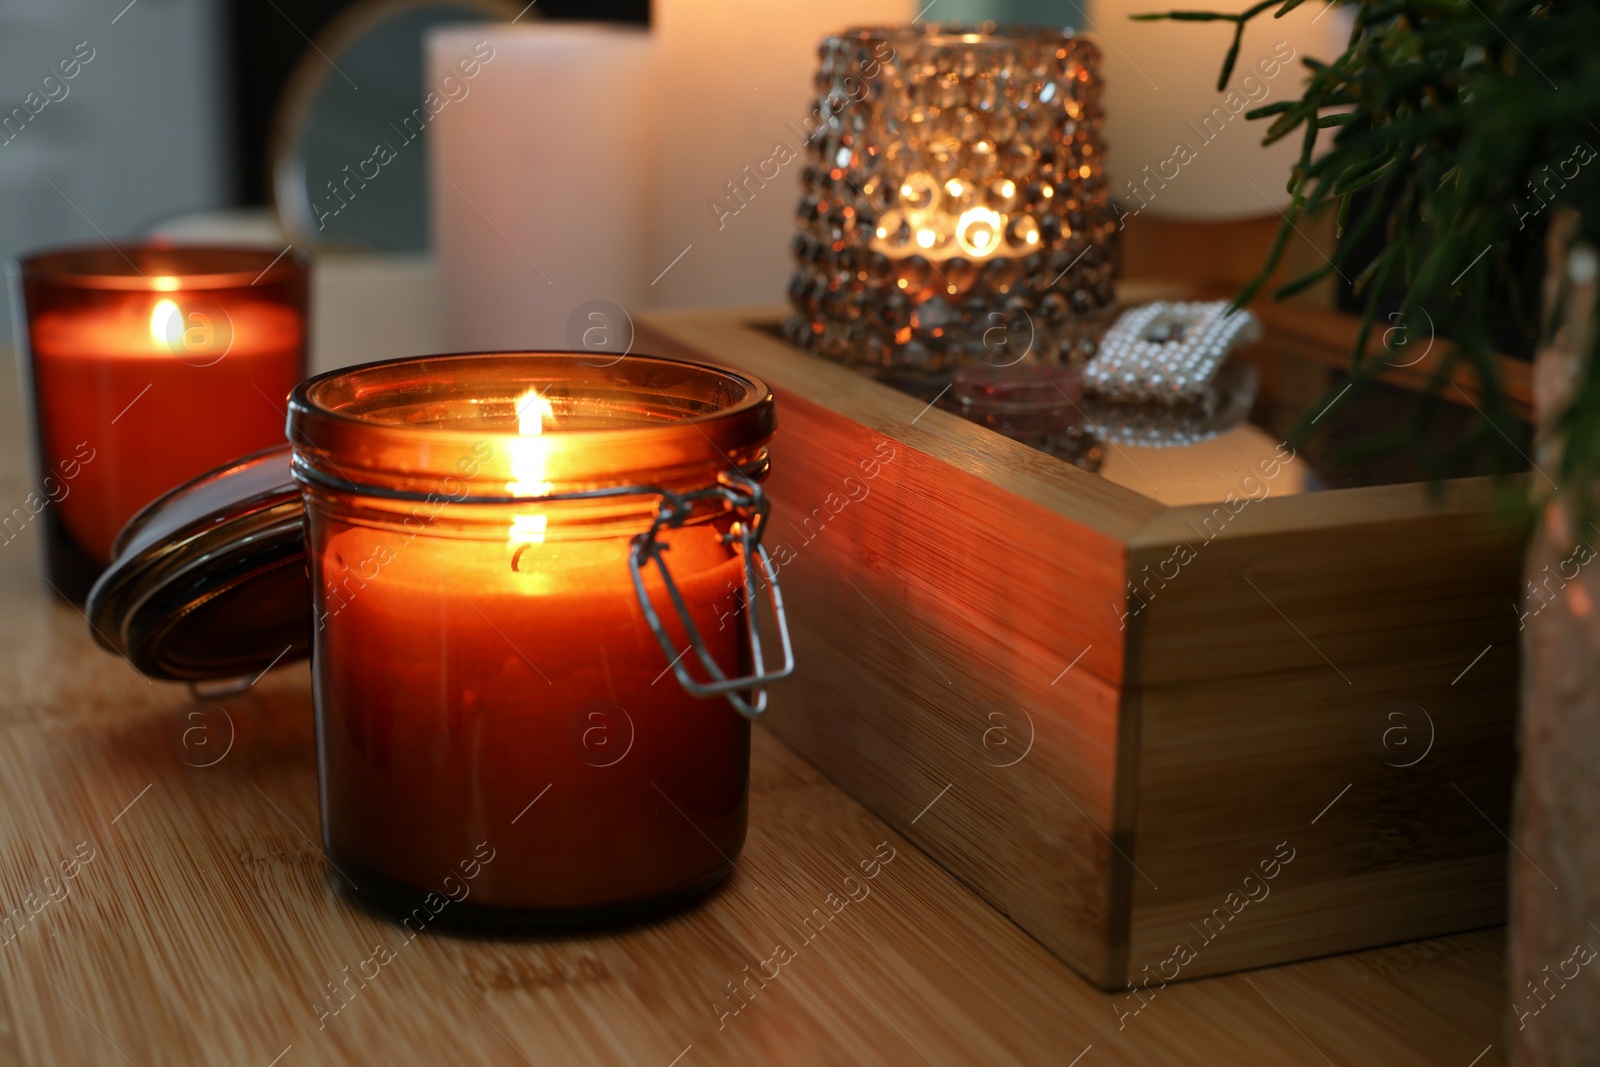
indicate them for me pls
(532, 412)
(951, 217)
(157, 381)
(1579, 600)
(978, 231)
(529, 456)
(155, 412)
(161, 317)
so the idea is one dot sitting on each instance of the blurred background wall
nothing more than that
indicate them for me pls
(122, 142)
(170, 106)
(169, 113)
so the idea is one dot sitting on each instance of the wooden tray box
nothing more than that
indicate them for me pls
(1300, 744)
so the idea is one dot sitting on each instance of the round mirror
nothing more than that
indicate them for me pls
(349, 144)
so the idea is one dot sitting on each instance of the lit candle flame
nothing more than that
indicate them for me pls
(532, 411)
(978, 231)
(161, 317)
(528, 464)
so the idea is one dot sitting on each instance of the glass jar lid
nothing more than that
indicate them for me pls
(209, 580)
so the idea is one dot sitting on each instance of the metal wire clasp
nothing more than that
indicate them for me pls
(742, 497)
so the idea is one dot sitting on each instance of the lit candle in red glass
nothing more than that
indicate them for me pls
(485, 676)
(149, 366)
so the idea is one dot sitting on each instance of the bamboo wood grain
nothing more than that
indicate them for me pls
(206, 924)
(1385, 848)
(1103, 507)
(1383, 572)
(1175, 743)
(885, 592)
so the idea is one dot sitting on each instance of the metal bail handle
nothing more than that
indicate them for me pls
(744, 498)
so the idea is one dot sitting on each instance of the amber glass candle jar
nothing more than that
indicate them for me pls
(146, 366)
(496, 637)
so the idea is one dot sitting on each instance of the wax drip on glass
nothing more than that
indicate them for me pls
(529, 453)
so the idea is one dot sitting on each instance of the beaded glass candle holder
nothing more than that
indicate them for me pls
(955, 207)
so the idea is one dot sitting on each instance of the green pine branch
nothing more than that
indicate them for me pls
(1462, 119)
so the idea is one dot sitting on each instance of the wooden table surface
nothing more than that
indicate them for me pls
(199, 925)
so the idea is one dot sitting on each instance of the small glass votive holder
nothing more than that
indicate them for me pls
(955, 192)
(1037, 404)
(144, 366)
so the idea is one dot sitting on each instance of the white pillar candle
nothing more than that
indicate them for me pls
(540, 166)
(737, 88)
(1177, 147)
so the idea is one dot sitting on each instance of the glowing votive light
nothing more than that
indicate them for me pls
(978, 231)
(161, 317)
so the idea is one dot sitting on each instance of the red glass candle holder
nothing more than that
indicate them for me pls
(145, 366)
(507, 553)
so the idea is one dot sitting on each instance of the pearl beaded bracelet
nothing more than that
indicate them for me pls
(1167, 352)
